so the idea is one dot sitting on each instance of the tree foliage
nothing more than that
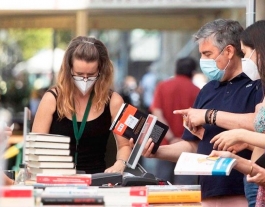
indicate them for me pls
(31, 41)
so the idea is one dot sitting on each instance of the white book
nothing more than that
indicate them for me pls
(199, 164)
(47, 137)
(49, 145)
(40, 151)
(51, 158)
(50, 164)
(67, 171)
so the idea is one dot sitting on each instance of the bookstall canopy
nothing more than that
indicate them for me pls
(45, 61)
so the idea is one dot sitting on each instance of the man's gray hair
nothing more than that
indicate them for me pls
(222, 32)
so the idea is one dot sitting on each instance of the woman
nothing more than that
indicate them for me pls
(82, 106)
(253, 46)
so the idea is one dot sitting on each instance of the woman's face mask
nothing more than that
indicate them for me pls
(250, 68)
(210, 69)
(84, 86)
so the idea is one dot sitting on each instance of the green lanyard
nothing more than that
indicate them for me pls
(78, 133)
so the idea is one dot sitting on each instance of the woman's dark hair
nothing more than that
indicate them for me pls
(254, 37)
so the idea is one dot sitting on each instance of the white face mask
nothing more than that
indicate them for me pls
(250, 68)
(84, 86)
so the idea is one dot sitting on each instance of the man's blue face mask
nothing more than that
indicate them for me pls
(210, 69)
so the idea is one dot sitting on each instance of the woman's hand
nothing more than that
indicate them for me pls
(226, 139)
(118, 167)
(259, 177)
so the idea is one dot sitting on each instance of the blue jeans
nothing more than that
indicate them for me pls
(251, 190)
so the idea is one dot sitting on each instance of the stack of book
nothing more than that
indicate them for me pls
(48, 154)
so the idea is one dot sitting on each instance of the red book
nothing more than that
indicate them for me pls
(16, 191)
(64, 179)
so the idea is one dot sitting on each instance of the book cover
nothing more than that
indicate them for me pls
(50, 164)
(65, 171)
(51, 158)
(64, 179)
(129, 122)
(47, 137)
(198, 204)
(40, 151)
(199, 164)
(174, 196)
(50, 145)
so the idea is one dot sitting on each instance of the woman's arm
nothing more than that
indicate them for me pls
(43, 117)
(7, 180)
(123, 146)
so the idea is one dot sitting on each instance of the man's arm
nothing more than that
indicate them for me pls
(170, 152)
(226, 120)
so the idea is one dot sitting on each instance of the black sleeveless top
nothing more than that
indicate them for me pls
(92, 145)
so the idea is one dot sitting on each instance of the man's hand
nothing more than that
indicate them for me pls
(193, 117)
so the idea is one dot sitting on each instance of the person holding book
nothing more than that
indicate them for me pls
(253, 46)
(254, 173)
(82, 105)
(229, 90)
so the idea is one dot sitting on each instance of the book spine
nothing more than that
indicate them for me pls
(45, 185)
(128, 191)
(62, 179)
(173, 197)
(72, 200)
(128, 205)
(124, 200)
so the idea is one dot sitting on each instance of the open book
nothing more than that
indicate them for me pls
(129, 122)
(199, 164)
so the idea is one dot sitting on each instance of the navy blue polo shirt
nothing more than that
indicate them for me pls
(240, 95)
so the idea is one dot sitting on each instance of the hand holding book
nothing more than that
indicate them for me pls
(200, 164)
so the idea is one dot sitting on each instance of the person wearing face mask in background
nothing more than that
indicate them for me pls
(82, 105)
(249, 67)
(229, 91)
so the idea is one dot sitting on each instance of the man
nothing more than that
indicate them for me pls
(175, 93)
(230, 90)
